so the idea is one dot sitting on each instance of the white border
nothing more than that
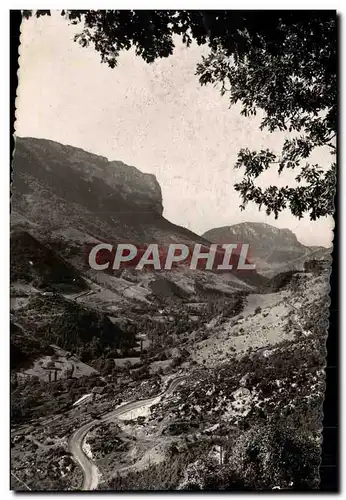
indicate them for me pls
(178, 5)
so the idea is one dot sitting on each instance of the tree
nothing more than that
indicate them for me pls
(294, 87)
(282, 64)
(108, 366)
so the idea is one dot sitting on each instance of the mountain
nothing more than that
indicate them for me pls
(66, 198)
(58, 188)
(219, 353)
(273, 249)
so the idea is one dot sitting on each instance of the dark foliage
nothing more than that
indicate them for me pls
(33, 262)
(163, 288)
(25, 348)
(75, 328)
(163, 476)
(34, 398)
(281, 63)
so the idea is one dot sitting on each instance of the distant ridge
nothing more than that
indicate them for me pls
(273, 249)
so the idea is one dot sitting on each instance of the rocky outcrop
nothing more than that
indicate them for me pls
(66, 198)
(273, 249)
(63, 189)
(262, 237)
(140, 188)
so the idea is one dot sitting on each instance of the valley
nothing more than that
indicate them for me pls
(163, 380)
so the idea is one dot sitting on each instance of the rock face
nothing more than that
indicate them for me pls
(272, 249)
(266, 241)
(131, 184)
(67, 198)
(59, 187)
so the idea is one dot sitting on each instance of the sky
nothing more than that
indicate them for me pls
(155, 117)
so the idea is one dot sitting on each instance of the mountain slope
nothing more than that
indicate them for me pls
(61, 187)
(33, 263)
(273, 250)
(67, 198)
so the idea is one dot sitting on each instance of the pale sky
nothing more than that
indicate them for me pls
(155, 117)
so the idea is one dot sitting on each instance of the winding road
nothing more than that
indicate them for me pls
(90, 471)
